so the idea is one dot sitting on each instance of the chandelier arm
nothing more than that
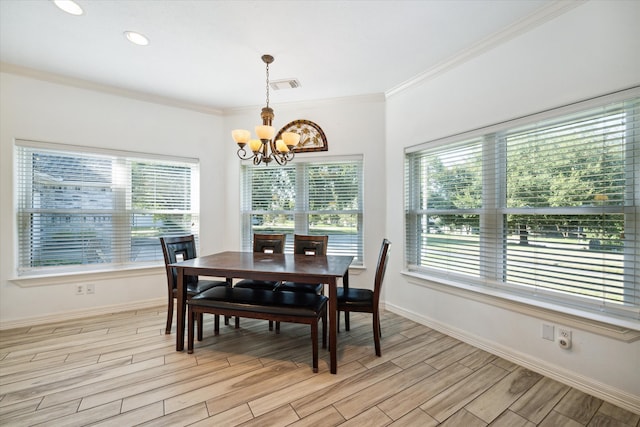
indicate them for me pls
(281, 160)
(242, 153)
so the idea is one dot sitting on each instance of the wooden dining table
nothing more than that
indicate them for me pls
(276, 267)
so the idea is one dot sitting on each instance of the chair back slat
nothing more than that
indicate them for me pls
(310, 245)
(176, 249)
(381, 268)
(269, 243)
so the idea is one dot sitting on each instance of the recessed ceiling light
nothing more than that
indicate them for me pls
(69, 6)
(136, 38)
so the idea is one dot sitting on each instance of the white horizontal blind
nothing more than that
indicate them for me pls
(548, 210)
(315, 198)
(82, 210)
(268, 202)
(444, 201)
(335, 207)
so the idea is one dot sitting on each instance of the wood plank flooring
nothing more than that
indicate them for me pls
(122, 370)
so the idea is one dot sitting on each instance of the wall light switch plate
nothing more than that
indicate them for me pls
(548, 332)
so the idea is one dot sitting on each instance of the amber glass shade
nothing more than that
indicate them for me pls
(240, 136)
(290, 139)
(281, 146)
(265, 132)
(255, 145)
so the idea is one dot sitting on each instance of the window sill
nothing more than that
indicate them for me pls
(355, 270)
(626, 330)
(60, 278)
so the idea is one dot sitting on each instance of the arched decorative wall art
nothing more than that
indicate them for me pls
(312, 138)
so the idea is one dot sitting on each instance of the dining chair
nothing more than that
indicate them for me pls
(176, 249)
(365, 300)
(268, 244)
(307, 245)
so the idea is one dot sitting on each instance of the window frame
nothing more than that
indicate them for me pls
(122, 210)
(301, 211)
(489, 281)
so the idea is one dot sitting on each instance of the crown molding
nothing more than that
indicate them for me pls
(533, 20)
(98, 87)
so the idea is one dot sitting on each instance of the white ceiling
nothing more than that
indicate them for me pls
(207, 53)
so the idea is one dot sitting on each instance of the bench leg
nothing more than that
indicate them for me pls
(314, 345)
(190, 323)
(237, 322)
(216, 324)
(200, 325)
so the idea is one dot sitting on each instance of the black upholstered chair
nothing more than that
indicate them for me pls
(307, 245)
(269, 244)
(177, 249)
(366, 300)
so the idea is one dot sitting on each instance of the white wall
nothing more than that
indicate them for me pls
(591, 50)
(588, 51)
(353, 126)
(45, 111)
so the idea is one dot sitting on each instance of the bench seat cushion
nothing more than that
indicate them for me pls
(284, 303)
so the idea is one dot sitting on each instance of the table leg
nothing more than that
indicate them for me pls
(333, 325)
(181, 300)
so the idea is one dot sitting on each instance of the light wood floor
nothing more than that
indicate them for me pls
(122, 370)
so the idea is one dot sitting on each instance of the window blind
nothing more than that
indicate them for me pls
(548, 210)
(443, 215)
(82, 210)
(315, 198)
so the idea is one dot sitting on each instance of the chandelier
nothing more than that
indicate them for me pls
(263, 150)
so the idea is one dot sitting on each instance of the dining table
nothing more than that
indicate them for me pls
(264, 266)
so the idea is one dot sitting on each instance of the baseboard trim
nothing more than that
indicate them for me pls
(605, 392)
(79, 314)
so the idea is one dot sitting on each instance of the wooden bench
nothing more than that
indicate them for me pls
(293, 307)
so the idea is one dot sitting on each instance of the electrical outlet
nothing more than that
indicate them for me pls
(79, 289)
(564, 338)
(564, 333)
(91, 288)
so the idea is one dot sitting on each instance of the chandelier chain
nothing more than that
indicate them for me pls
(267, 84)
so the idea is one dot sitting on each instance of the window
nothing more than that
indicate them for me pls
(83, 209)
(316, 198)
(548, 210)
